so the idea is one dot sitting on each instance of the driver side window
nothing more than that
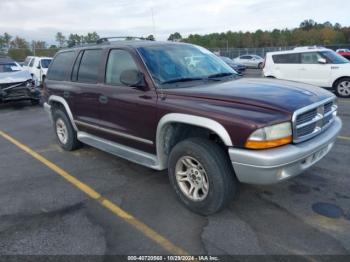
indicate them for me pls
(118, 62)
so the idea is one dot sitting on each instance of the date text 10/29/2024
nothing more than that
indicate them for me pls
(173, 258)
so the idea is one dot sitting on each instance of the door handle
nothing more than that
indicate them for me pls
(103, 99)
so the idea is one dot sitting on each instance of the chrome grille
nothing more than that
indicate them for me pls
(312, 120)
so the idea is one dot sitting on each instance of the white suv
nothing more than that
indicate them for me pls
(312, 65)
(37, 66)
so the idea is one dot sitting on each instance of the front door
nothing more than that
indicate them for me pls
(127, 112)
(312, 72)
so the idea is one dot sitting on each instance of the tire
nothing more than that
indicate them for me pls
(214, 168)
(65, 133)
(260, 65)
(342, 87)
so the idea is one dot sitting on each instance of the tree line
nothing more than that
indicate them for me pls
(309, 32)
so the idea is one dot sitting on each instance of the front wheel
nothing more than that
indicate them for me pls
(342, 87)
(201, 175)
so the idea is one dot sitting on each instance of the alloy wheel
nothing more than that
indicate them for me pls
(192, 178)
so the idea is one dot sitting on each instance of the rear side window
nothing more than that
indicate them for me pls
(246, 57)
(60, 66)
(88, 70)
(118, 62)
(286, 59)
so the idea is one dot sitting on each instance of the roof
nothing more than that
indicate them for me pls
(298, 50)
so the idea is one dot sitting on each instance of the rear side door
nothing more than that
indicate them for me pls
(286, 66)
(313, 72)
(85, 91)
(127, 112)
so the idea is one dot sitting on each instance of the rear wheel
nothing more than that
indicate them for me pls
(201, 175)
(342, 87)
(65, 133)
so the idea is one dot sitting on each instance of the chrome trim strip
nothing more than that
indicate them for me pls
(66, 106)
(128, 153)
(315, 119)
(138, 139)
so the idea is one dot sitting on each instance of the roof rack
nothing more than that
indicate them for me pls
(120, 38)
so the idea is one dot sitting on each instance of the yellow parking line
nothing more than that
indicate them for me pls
(143, 228)
(344, 137)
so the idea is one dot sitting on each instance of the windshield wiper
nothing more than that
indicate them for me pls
(220, 75)
(183, 79)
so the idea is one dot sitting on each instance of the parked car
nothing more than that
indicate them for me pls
(317, 66)
(16, 84)
(344, 52)
(146, 102)
(251, 61)
(37, 66)
(237, 67)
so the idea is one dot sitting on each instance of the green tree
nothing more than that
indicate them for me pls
(73, 40)
(19, 43)
(60, 39)
(175, 37)
(151, 37)
(91, 37)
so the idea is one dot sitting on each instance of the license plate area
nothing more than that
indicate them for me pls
(315, 157)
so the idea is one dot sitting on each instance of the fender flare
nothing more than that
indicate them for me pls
(199, 121)
(61, 100)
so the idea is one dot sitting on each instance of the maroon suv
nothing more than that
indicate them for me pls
(179, 107)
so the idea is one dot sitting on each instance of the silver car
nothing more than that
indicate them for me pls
(252, 61)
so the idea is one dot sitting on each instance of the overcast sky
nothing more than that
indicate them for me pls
(41, 19)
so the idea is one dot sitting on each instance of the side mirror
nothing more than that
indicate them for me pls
(132, 78)
(322, 61)
(38, 67)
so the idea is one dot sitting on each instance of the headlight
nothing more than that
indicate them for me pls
(270, 136)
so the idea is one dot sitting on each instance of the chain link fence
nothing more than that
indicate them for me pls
(235, 52)
(19, 54)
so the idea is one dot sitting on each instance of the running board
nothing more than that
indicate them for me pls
(128, 153)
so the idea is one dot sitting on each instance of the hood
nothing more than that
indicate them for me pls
(14, 77)
(272, 94)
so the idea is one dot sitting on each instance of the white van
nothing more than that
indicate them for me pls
(37, 66)
(312, 65)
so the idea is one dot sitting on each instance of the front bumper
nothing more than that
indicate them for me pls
(274, 165)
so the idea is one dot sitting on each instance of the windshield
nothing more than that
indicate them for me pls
(333, 58)
(9, 67)
(174, 62)
(45, 63)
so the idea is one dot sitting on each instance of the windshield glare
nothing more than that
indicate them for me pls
(9, 67)
(175, 61)
(333, 58)
(45, 63)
